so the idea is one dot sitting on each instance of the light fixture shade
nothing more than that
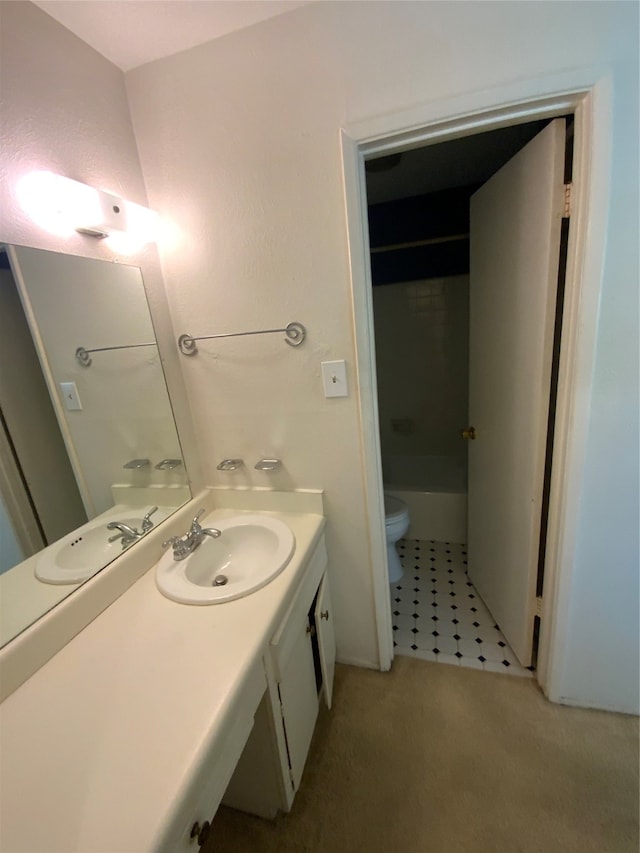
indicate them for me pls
(61, 205)
(109, 216)
(58, 204)
(141, 222)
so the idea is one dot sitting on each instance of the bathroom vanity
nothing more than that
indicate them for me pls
(129, 737)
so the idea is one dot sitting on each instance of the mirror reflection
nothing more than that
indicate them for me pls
(90, 459)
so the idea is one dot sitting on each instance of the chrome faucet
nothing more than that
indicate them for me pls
(128, 534)
(147, 524)
(184, 545)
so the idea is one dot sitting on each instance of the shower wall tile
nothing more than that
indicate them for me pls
(422, 355)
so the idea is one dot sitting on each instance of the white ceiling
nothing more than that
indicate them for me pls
(457, 163)
(132, 32)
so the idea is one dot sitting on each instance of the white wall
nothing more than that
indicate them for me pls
(64, 108)
(239, 140)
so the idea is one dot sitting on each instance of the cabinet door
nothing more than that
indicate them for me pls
(299, 700)
(326, 638)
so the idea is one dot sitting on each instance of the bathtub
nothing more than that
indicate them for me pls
(435, 490)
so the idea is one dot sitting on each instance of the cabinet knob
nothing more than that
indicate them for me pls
(201, 832)
(324, 614)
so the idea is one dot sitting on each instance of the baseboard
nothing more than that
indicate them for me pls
(363, 664)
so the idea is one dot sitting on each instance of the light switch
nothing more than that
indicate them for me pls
(334, 378)
(70, 396)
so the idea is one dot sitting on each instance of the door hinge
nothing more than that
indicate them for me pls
(539, 605)
(566, 211)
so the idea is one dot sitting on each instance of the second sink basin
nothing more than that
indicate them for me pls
(251, 552)
(80, 554)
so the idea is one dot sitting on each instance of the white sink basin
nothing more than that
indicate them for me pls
(251, 552)
(81, 554)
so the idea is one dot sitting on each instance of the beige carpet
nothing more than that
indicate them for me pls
(437, 758)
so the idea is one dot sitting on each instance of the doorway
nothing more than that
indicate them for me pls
(452, 120)
(422, 295)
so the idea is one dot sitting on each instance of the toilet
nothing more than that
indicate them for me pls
(396, 524)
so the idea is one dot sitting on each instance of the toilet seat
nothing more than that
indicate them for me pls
(394, 509)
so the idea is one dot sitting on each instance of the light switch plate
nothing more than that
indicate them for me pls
(70, 396)
(334, 378)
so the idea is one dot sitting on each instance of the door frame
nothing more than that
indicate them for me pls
(588, 95)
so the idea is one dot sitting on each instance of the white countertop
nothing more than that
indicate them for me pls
(98, 749)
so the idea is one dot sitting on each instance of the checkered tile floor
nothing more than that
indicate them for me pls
(437, 614)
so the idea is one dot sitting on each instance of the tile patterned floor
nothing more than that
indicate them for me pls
(437, 614)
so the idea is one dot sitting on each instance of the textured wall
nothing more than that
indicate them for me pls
(239, 139)
(64, 109)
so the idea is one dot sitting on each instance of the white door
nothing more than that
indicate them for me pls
(515, 242)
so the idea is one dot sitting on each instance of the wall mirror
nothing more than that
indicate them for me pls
(90, 459)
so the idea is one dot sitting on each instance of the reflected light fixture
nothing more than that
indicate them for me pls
(62, 206)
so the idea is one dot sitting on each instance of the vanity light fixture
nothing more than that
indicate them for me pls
(62, 206)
